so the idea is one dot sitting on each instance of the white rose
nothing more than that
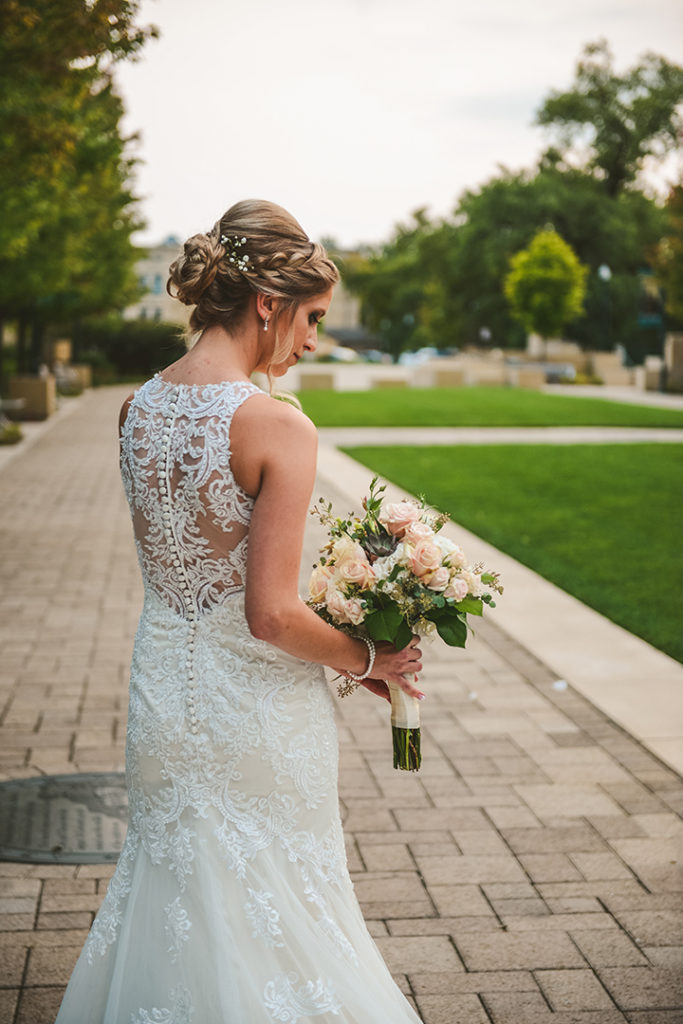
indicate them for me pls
(404, 553)
(453, 552)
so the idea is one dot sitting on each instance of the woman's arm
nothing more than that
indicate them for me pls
(277, 445)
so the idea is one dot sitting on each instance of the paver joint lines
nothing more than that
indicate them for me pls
(525, 875)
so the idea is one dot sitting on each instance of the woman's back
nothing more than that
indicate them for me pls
(190, 517)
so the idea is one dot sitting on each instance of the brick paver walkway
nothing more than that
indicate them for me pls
(530, 874)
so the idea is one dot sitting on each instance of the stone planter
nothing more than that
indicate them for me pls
(39, 395)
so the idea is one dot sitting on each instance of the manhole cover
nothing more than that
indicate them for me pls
(63, 819)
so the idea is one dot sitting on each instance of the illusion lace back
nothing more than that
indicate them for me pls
(231, 902)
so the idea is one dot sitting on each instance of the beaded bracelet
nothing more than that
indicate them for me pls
(371, 661)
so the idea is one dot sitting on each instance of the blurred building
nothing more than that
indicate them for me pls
(343, 321)
(155, 302)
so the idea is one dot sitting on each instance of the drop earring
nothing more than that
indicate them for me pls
(265, 324)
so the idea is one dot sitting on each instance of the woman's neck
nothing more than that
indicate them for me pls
(215, 357)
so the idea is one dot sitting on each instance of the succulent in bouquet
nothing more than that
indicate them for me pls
(391, 574)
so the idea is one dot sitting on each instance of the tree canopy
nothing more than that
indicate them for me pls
(619, 119)
(440, 282)
(68, 210)
(668, 257)
(546, 285)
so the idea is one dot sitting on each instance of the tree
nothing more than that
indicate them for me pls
(394, 287)
(546, 285)
(620, 119)
(494, 222)
(668, 257)
(67, 208)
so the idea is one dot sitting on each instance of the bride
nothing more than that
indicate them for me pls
(231, 902)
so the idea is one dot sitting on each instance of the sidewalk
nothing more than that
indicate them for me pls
(344, 437)
(529, 874)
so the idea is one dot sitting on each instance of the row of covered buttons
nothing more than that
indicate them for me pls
(177, 564)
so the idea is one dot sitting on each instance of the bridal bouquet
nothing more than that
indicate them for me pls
(389, 575)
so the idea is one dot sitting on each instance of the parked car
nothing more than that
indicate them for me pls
(418, 357)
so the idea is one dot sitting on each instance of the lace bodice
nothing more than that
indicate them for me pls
(190, 517)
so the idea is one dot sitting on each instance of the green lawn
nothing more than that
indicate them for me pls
(601, 521)
(476, 407)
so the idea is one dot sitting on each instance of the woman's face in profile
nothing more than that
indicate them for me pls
(304, 330)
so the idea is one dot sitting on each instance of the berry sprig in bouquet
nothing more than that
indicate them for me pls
(392, 574)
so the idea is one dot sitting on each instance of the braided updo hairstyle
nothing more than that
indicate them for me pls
(215, 278)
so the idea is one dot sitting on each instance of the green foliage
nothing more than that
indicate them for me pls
(668, 258)
(616, 552)
(65, 171)
(126, 349)
(622, 119)
(546, 284)
(477, 407)
(396, 291)
(10, 433)
(440, 283)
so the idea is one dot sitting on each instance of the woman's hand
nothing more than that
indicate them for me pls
(392, 666)
(400, 667)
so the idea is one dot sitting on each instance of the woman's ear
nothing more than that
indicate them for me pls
(266, 305)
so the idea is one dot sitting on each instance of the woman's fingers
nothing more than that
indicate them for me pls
(408, 686)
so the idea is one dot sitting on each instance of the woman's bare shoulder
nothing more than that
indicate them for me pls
(268, 435)
(273, 415)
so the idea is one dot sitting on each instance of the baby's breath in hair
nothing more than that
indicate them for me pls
(231, 244)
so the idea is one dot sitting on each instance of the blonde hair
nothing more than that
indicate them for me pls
(282, 262)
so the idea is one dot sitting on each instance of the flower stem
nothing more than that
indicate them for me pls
(407, 754)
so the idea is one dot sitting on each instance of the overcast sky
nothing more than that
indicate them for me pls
(353, 113)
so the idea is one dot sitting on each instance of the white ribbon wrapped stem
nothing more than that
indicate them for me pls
(405, 710)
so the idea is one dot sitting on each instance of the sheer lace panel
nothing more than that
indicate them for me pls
(190, 517)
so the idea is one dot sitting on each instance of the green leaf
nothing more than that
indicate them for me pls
(453, 630)
(384, 623)
(470, 605)
(403, 636)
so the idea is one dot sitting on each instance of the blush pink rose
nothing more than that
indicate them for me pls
(355, 613)
(336, 604)
(397, 516)
(426, 558)
(358, 571)
(346, 550)
(317, 585)
(457, 589)
(418, 531)
(439, 579)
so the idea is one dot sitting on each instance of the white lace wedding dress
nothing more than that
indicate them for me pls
(231, 902)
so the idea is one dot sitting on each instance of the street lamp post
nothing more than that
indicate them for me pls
(605, 275)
